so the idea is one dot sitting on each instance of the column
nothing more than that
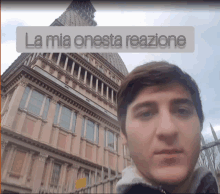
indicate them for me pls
(29, 59)
(56, 132)
(63, 175)
(27, 167)
(23, 114)
(106, 138)
(73, 66)
(115, 141)
(59, 115)
(3, 146)
(85, 126)
(107, 92)
(78, 76)
(49, 173)
(112, 95)
(14, 105)
(38, 124)
(84, 142)
(5, 103)
(85, 76)
(33, 56)
(95, 147)
(100, 159)
(102, 89)
(69, 136)
(50, 57)
(76, 141)
(47, 128)
(91, 78)
(66, 61)
(73, 178)
(58, 60)
(120, 155)
(97, 81)
(38, 174)
(8, 162)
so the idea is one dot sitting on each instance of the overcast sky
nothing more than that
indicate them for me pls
(203, 65)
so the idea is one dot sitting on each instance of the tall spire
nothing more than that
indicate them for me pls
(215, 136)
(78, 13)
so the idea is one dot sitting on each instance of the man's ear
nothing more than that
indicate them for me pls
(124, 139)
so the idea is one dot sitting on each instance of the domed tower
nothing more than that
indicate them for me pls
(59, 119)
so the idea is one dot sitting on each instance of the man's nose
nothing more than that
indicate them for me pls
(166, 128)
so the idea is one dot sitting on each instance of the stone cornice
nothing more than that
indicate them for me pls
(74, 79)
(69, 158)
(56, 90)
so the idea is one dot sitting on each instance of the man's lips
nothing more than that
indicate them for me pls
(169, 151)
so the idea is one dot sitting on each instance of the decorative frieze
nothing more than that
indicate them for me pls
(42, 157)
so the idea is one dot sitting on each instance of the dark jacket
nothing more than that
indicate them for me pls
(203, 182)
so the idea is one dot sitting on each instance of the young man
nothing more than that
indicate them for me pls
(161, 116)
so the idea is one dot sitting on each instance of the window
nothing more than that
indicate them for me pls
(87, 178)
(24, 97)
(56, 174)
(56, 114)
(35, 102)
(111, 140)
(67, 117)
(90, 128)
(18, 163)
(46, 108)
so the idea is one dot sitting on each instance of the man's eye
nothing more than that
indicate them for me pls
(184, 112)
(145, 114)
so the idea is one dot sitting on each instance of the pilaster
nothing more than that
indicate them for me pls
(3, 146)
(76, 141)
(39, 172)
(8, 162)
(47, 128)
(13, 105)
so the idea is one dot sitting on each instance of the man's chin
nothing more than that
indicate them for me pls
(170, 175)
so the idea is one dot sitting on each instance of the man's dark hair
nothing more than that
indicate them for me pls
(152, 74)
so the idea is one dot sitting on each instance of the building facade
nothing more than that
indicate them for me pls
(59, 120)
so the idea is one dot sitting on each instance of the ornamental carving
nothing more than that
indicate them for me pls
(67, 80)
(59, 75)
(42, 157)
(4, 143)
(74, 85)
(23, 83)
(43, 64)
(51, 71)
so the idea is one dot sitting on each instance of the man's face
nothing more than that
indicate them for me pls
(163, 133)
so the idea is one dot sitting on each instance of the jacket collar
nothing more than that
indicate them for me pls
(130, 177)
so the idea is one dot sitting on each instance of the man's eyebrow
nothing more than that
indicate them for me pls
(182, 101)
(143, 104)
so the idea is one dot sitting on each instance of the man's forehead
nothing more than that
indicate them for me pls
(178, 88)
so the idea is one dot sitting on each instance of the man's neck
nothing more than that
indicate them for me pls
(182, 187)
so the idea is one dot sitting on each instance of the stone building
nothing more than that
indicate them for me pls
(59, 120)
